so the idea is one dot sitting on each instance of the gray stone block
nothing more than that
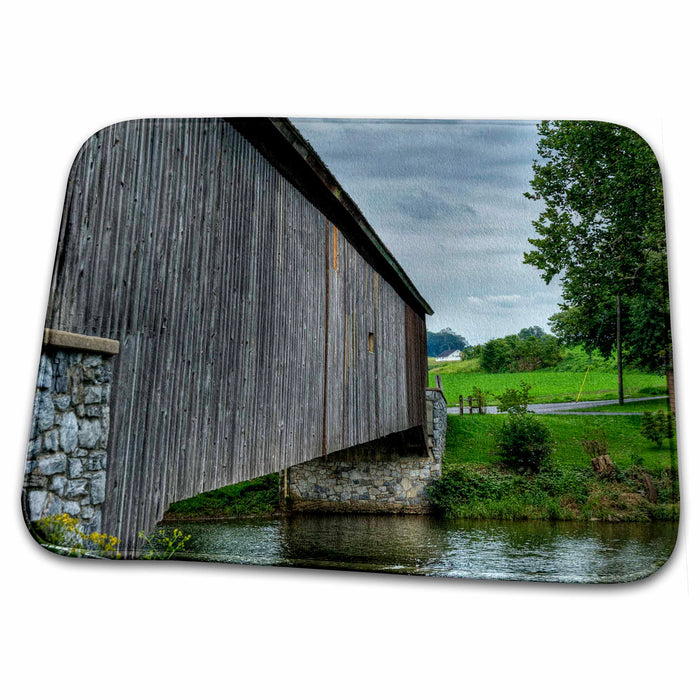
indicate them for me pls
(95, 524)
(33, 448)
(97, 461)
(60, 384)
(53, 464)
(72, 508)
(61, 402)
(55, 505)
(58, 485)
(36, 501)
(92, 360)
(61, 363)
(89, 433)
(75, 468)
(103, 374)
(43, 410)
(97, 488)
(74, 358)
(76, 488)
(69, 432)
(104, 438)
(77, 393)
(45, 373)
(34, 480)
(51, 441)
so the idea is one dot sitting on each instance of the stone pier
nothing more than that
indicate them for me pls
(384, 476)
(66, 464)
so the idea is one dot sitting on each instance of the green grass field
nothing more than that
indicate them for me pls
(547, 385)
(471, 440)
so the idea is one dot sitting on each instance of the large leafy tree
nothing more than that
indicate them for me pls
(602, 232)
(446, 339)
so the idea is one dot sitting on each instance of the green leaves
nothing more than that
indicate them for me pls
(602, 231)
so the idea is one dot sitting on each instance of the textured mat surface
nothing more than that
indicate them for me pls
(422, 347)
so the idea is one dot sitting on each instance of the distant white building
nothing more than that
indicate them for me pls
(449, 356)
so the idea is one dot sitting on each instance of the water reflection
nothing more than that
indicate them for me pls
(530, 550)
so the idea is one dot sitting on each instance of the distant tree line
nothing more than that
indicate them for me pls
(446, 339)
(529, 350)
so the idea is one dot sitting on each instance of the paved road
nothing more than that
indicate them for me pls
(573, 408)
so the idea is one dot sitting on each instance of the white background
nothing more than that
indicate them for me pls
(137, 629)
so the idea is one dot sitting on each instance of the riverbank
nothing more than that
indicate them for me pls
(249, 499)
(642, 487)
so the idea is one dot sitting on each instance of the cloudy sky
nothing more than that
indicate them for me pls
(446, 197)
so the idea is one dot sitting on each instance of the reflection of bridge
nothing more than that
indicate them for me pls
(260, 321)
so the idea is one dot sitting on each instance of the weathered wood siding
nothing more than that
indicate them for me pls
(243, 316)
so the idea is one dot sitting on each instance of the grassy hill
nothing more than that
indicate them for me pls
(551, 386)
(560, 383)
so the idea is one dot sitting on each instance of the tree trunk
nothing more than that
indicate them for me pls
(620, 390)
(671, 384)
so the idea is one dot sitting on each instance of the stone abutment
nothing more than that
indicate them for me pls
(66, 463)
(389, 475)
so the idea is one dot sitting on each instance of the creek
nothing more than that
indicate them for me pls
(590, 552)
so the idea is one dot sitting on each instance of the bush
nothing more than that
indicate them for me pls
(514, 400)
(479, 396)
(554, 481)
(524, 443)
(457, 487)
(657, 425)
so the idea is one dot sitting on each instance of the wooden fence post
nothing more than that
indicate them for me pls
(471, 405)
(461, 405)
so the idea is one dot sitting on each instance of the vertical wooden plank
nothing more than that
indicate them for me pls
(244, 315)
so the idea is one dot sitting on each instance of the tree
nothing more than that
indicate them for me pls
(446, 339)
(517, 354)
(531, 332)
(602, 232)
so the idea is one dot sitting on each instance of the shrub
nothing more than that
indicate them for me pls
(479, 396)
(554, 481)
(524, 443)
(514, 400)
(657, 425)
(457, 487)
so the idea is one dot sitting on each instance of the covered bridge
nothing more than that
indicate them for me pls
(260, 321)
